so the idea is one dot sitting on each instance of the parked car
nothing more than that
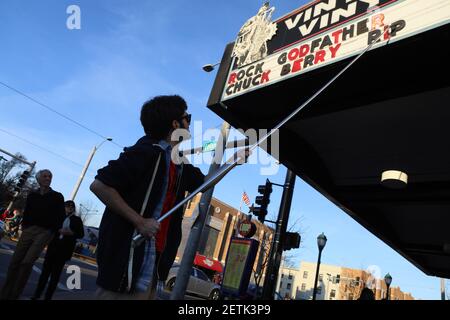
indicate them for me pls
(199, 284)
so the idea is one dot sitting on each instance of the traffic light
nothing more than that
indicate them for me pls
(291, 241)
(22, 180)
(263, 200)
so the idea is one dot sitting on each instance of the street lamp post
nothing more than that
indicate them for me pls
(210, 67)
(86, 166)
(387, 280)
(321, 242)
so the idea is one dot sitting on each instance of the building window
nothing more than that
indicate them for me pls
(222, 252)
(305, 275)
(282, 276)
(332, 294)
(338, 278)
(208, 241)
(303, 286)
(288, 286)
(290, 277)
(320, 277)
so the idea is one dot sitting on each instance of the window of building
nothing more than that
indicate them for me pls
(288, 286)
(303, 287)
(222, 252)
(282, 276)
(290, 277)
(338, 278)
(332, 294)
(208, 241)
(305, 275)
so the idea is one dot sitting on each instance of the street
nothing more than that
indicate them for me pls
(88, 277)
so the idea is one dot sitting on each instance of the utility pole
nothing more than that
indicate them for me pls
(86, 166)
(184, 273)
(31, 164)
(277, 247)
(443, 289)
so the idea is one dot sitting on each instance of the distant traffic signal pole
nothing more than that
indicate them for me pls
(263, 201)
(276, 250)
(23, 179)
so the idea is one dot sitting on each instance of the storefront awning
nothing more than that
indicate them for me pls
(205, 262)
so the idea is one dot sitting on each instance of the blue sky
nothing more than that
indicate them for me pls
(125, 53)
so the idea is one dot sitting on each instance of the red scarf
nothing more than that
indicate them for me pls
(169, 202)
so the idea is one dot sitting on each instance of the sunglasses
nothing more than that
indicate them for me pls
(188, 118)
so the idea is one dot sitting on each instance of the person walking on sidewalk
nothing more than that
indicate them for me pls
(43, 216)
(59, 251)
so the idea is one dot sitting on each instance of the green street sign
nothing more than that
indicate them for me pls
(209, 146)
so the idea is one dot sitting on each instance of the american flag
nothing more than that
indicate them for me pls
(246, 199)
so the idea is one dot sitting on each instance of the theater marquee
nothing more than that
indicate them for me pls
(321, 33)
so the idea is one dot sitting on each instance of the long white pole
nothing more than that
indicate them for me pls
(83, 173)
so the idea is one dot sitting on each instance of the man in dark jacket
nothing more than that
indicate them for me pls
(147, 168)
(42, 217)
(59, 251)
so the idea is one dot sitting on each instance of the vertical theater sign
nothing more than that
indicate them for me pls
(321, 33)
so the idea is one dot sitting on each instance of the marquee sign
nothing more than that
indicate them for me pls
(321, 33)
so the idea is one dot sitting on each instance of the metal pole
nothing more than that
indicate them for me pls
(83, 173)
(442, 289)
(277, 247)
(279, 277)
(184, 273)
(17, 158)
(260, 265)
(317, 275)
(387, 293)
(238, 219)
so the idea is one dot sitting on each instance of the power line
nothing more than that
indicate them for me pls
(57, 112)
(42, 148)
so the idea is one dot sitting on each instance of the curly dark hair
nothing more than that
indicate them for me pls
(158, 113)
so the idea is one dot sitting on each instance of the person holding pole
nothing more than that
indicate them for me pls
(146, 180)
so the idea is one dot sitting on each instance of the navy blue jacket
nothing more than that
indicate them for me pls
(130, 175)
